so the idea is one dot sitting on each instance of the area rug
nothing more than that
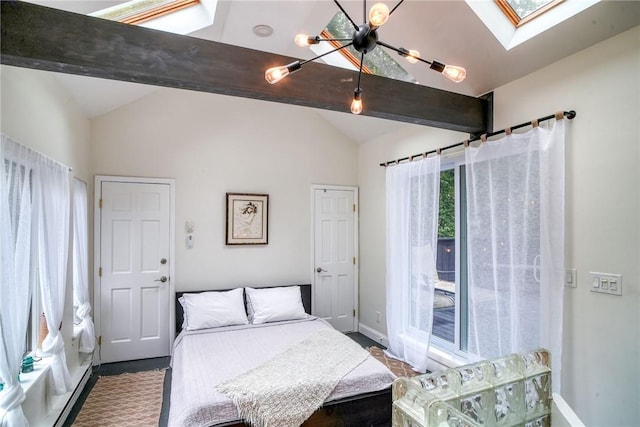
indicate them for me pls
(399, 368)
(124, 400)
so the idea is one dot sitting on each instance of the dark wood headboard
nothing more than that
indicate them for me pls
(305, 291)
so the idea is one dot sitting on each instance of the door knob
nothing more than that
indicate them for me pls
(320, 270)
(162, 279)
(163, 261)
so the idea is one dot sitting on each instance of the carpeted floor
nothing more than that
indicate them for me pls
(399, 368)
(124, 400)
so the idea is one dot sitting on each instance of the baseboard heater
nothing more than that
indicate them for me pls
(74, 397)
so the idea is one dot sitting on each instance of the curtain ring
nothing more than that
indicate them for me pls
(535, 123)
(424, 155)
(466, 143)
(559, 115)
(483, 138)
(507, 131)
(438, 151)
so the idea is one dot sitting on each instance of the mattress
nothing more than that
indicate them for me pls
(202, 359)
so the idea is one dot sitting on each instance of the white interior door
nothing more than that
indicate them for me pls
(135, 270)
(334, 287)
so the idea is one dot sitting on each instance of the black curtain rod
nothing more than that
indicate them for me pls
(568, 114)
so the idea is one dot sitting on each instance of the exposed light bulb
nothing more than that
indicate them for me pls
(454, 73)
(356, 104)
(275, 74)
(378, 14)
(412, 56)
(304, 40)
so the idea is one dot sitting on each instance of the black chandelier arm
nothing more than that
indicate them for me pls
(395, 7)
(360, 71)
(364, 11)
(318, 39)
(402, 51)
(326, 53)
(355, 26)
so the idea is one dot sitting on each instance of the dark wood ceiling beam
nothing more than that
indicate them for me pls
(34, 36)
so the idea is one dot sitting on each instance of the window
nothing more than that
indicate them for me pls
(377, 62)
(509, 28)
(501, 227)
(451, 316)
(138, 11)
(34, 222)
(18, 177)
(496, 218)
(449, 304)
(520, 12)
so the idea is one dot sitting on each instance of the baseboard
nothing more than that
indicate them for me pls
(74, 397)
(373, 334)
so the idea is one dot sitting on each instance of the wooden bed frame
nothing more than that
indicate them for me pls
(364, 410)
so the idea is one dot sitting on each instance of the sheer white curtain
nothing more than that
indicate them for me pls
(515, 189)
(81, 267)
(412, 196)
(15, 277)
(53, 242)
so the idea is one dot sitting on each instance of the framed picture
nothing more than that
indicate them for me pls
(247, 219)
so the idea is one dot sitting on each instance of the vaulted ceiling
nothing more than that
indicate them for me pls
(448, 31)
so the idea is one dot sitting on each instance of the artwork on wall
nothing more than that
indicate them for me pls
(247, 219)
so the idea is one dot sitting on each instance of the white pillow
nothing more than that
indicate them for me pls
(213, 309)
(274, 304)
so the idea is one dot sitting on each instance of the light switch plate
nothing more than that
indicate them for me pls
(606, 283)
(571, 278)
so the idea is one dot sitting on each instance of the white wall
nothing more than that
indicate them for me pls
(36, 112)
(601, 364)
(213, 144)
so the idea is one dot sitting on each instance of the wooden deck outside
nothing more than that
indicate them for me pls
(444, 316)
(444, 323)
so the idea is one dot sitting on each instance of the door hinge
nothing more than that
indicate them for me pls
(100, 340)
(354, 312)
(354, 260)
(99, 271)
(100, 203)
(354, 207)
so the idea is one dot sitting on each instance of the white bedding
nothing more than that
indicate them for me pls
(203, 359)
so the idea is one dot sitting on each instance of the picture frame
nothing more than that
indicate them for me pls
(247, 219)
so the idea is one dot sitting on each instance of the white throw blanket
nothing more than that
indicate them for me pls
(287, 389)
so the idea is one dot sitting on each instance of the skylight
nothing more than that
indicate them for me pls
(377, 62)
(520, 12)
(139, 11)
(174, 16)
(504, 21)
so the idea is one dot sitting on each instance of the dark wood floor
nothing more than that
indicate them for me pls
(158, 363)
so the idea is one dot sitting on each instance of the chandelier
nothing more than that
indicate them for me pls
(364, 40)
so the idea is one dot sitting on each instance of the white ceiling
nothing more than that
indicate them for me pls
(448, 31)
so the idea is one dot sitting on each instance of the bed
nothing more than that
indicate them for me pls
(361, 398)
